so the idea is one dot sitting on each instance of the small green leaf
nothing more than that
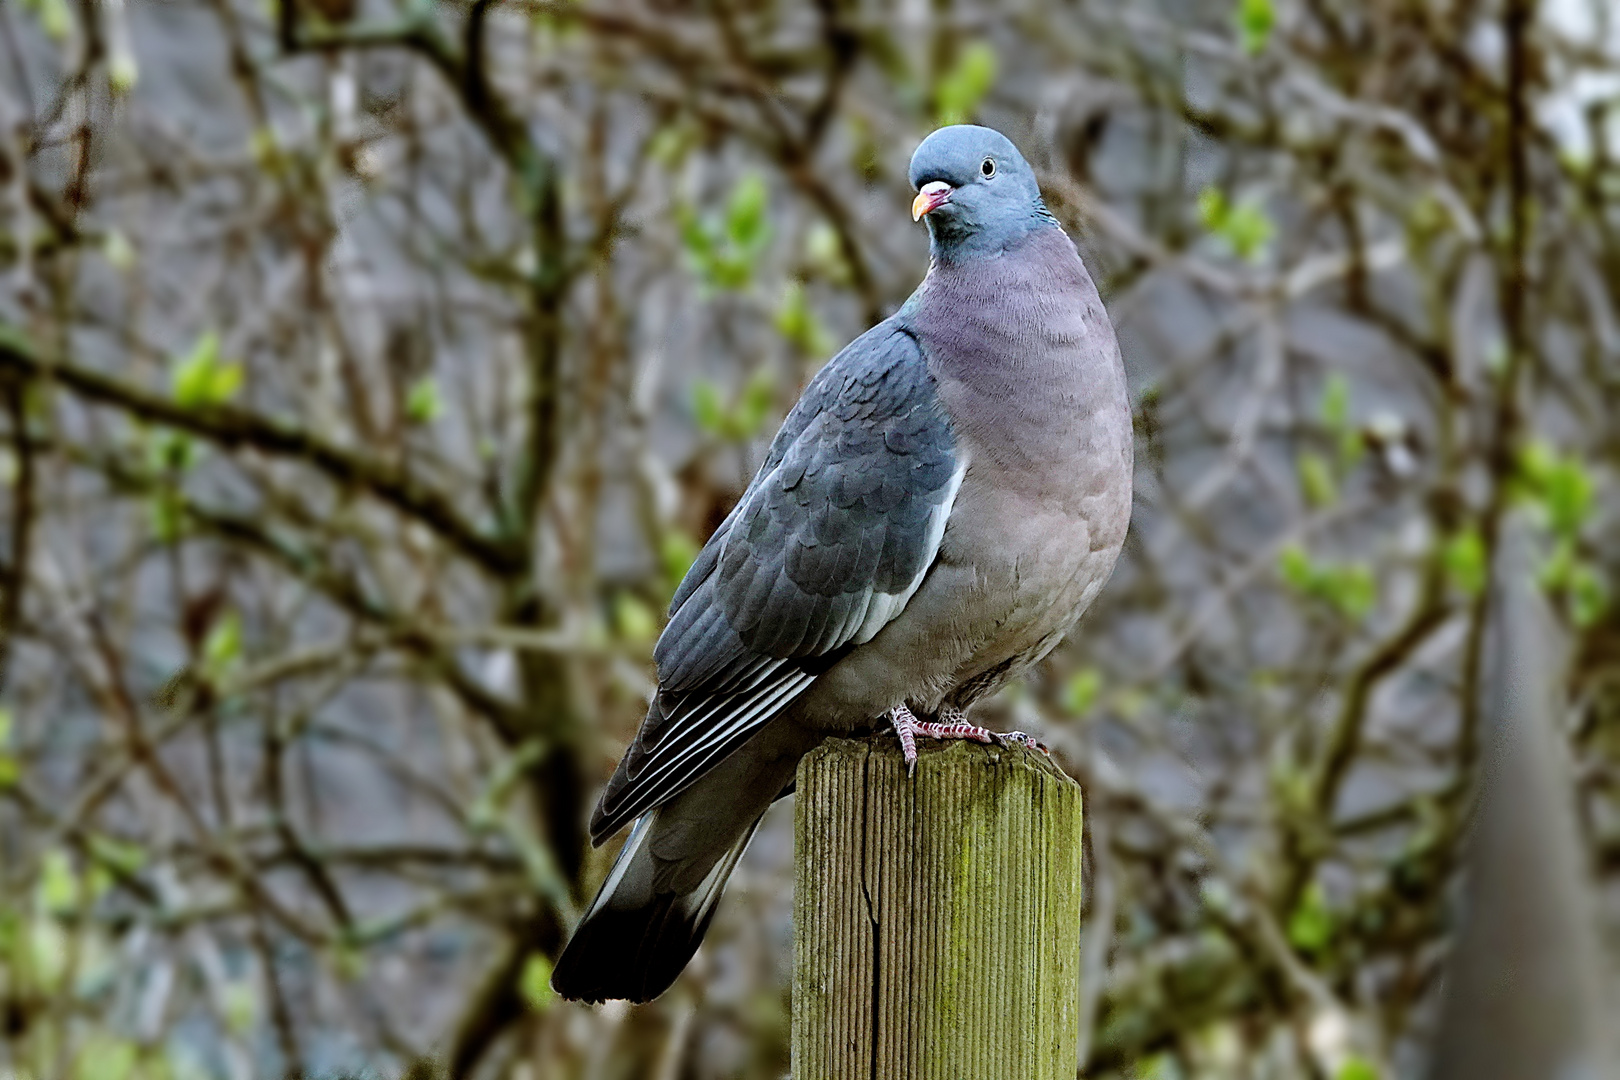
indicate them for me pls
(58, 884)
(740, 421)
(6, 723)
(1295, 567)
(677, 552)
(754, 406)
(1351, 447)
(694, 237)
(47, 952)
(1576, 161)
(1243, 226)
(117, 250)
(1357, 1068)
(227, 381)
(1495, 358)
(348, 960)
(724, 253)
(797, 322)
(122, 71)
(1569, 496)
(1352, 590)
(201, 379)
(1316, 482)
(958, 92)
(239, 1005)
(1536, 459)
(1559, 565)
(1216, 895)
(486, 806)
(422, 402)
(1588, 595)
(534, 982)
(194, 372)
(179, 1061)
(670, 145)
(123, 855)
(167, 516)
(746, 223)
(106, 1057)
(1310, 927)
(224, 642)
(55, 18)
(1290, 783)
(265, 148)
(1081, 691)
(1560, 484)
(1465, 562)
(730, 270)
(1348, 588)
(1334, 408)
(10, 771)
(171, 451)
(633, 620)
(707, 410)
(824, 252)
(1129, 703)
(97, 880)
(1161, 1066)
(1248, 229)
(1255, 19)
(1212, 208)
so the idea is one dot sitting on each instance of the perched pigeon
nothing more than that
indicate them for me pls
(938, 509)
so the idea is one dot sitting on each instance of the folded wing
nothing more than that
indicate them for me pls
(829, 542)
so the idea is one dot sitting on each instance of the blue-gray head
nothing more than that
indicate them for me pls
(976, 190)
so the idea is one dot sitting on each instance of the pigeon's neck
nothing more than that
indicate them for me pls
(961, 243)
(1027, 311)
(1023, 353)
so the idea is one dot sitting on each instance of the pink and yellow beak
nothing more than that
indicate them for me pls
(929, 197)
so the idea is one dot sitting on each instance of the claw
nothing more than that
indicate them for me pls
(1023, 738)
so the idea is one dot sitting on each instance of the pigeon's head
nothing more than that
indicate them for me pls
(975, 189)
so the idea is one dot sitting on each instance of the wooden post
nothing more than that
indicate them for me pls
(936, 918)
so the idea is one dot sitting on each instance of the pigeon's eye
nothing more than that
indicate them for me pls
(987, 168)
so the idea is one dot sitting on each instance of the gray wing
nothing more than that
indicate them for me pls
(825, 547)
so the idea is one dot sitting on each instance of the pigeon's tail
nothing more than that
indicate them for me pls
(653, 909)
(642, 929)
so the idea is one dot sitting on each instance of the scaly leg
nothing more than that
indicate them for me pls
(955, 717)
(953, 724)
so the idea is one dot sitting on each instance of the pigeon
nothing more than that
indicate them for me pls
(948, 495)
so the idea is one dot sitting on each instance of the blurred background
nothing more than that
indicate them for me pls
(371, 370)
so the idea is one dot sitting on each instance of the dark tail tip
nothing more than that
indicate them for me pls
(631, 954)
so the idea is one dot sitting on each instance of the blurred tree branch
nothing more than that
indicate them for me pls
(231, 426)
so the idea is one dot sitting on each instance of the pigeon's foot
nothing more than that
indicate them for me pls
(952, 724)
(952, 716)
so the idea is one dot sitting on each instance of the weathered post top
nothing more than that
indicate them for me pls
(936, 917)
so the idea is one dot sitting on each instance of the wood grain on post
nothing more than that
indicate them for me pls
(936, 918)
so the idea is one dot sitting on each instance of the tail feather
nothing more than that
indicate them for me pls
(636, 937)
